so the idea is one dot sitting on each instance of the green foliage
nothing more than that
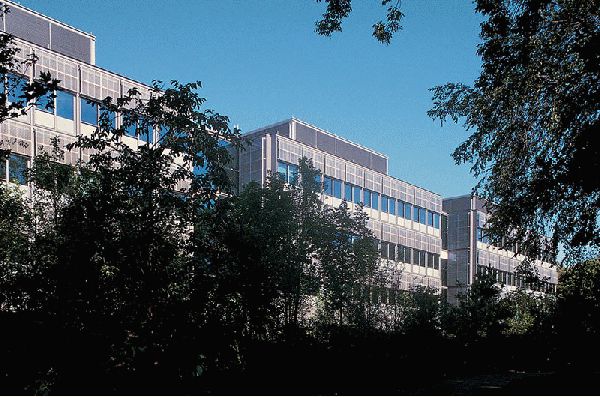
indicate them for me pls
(348, 268)
(579, 297)
(533, 113)
(338, 10)
(479, 314)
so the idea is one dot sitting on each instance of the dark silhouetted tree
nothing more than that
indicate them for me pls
(534, 121)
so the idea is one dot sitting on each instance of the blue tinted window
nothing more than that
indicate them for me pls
(17, 83)
(131, 130)
(318, 181)
(112, 118)
(17, 166)
(145, 131)
(416, 214)
(429, 218)
(292, 174)
(282, 170)
(162, 132)
(436, 220)
(45, 103)
(392, 205)
(367, 198)
(356, 195)
(422, 215)
(401, 208)
(407, 210)
(337, 188)
(384, 203)
(348, 192)
(65, 102)
(328, 185)
(89, 112)
(375, 200)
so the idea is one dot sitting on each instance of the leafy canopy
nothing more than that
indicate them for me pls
(533, 114)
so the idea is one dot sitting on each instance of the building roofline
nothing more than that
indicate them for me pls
(469, 195)
(331, 134)
(11, 3)
(83, 62)
(340, 138)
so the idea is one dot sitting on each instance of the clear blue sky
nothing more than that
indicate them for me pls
(261, 62)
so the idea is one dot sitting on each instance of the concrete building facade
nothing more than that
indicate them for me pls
(426, 240)
(405, 218)
(68, 54)
(470, 252)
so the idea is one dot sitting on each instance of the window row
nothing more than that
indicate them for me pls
(401, 253)
(14, 169)
(91, 112)
(355, 194)
(512, 279)
(380, 294)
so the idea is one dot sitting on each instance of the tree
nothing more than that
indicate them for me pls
(578, 317)
(338, 10)
(348, 267)
(533, 113)
(117, 277)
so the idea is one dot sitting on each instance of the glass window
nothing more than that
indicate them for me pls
(384, 203)
(2, 170)
(429, 218)
(356, 195)
(65, 105)
(416, 213)
(17, 83)
(17, 166)
(282, 170)
(415, 256)
(45, 103)
(400, 253)
(422, 258)
(436, 220)
(407, 210)
(367, 198)
(328, 185)
(131, 130)
(162, 131)
(89, 112)
(401, 208)
(337, 188)
(112, 118)
(392, 206)
(429, 259)
(407, 255)
(384, 250)
(392, 251)
(292, 174)
(375, 200)
(318, 181)
(422, 215)
(146, 131)
(347, 192)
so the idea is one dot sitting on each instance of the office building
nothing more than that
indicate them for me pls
(69, 55)
(416, 239)
(470, 252)
(405, 218)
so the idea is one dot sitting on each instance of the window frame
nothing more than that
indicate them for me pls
(57, 102)
(85, 101)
